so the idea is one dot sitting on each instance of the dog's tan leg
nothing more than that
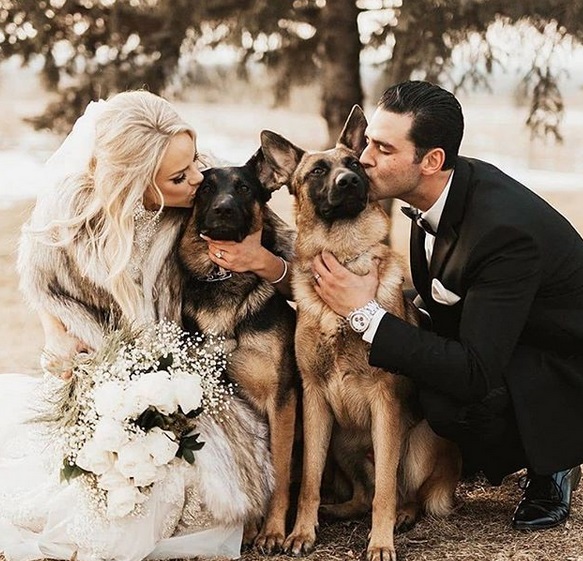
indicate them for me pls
(281, 426)
(386, 437)
(318, 421)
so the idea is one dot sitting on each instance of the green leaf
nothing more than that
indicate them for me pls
(69, 472)
(194, 413)
(151, 418)
(165, 362)
(188, 455)
(188, 446)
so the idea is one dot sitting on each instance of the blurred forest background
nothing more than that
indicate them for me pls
(233, 67)
(87, 49)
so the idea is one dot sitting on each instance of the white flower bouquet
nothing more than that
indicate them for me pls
(130, 409)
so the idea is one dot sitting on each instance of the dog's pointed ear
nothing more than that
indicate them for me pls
(352, 134)
(263, 170)
(281, 156)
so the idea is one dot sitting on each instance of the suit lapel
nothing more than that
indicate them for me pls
(447, 232)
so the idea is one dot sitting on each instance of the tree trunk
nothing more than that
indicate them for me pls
(340, 64)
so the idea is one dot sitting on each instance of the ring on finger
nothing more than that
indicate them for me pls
(219, 254)
(317, 277)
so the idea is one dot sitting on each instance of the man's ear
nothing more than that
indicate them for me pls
(433, 161)
(281, 159)
(352, 134)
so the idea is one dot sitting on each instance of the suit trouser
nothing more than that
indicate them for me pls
(486, 432)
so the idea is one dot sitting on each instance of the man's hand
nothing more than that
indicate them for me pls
(342, 290)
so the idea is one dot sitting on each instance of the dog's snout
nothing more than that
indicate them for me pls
(224, 206)
(347, 179)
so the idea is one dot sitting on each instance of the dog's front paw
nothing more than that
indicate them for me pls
(269, 541)
(301, 541)
(380, 553)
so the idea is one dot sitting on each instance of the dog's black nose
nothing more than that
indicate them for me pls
(347, 180)
(223, 206)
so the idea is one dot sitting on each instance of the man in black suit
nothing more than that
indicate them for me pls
(500, 273)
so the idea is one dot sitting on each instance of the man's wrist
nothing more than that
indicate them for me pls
(359, 318)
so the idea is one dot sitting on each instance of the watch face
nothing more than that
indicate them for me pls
(359, 321)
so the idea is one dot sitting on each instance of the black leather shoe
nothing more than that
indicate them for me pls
(547, 500)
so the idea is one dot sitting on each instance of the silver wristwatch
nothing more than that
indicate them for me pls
(359, 319)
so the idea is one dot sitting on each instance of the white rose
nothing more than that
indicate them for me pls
(109, 434)
(112, 479)
(121, 501)
(188, 391)
(110, 400)
(161, 445)
(94, 458)
(134, 461)
(155, 389)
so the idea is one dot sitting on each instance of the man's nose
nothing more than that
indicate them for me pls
(366, 158)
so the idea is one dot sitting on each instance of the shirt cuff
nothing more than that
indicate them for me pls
(369, 334)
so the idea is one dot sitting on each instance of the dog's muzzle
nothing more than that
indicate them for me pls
(347, 197)
(224, 221)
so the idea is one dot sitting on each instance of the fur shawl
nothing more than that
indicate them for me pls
(52, 280)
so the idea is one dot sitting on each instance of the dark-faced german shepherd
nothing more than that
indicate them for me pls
(369, 406)
(249, 312)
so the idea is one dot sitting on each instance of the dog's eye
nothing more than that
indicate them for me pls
(355, 165)
(205, 187)
(243, 188)
(318, 171)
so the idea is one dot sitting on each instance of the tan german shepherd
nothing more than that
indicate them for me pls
(413, 467)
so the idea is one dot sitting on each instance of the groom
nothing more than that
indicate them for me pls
(500, 274)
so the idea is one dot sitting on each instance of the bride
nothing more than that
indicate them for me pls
(98, 251)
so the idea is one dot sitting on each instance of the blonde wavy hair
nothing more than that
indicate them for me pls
(132, 136)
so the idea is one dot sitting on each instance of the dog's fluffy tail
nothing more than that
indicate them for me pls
(431, 469)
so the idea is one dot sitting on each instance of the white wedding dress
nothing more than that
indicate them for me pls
(194, 511)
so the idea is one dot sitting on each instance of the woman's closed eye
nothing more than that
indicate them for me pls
(182, 177)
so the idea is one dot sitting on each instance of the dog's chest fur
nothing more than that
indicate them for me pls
(342, 365)
(220, 306)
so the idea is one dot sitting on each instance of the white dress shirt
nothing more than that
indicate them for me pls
(433, 216)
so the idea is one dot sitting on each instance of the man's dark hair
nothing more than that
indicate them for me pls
(438, 121)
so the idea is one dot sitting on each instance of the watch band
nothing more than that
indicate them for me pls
(359, 319)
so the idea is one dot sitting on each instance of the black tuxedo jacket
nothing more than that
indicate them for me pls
(517, 266)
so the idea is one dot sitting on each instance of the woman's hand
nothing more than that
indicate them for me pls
(250, 256)
(60, 347)
(341, 289)
(239, 257)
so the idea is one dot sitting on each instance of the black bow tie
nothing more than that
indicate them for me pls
(415, 215)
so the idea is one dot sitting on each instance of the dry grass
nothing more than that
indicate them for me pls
(478, 530)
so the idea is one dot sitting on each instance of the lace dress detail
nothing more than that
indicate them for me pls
(146, 224)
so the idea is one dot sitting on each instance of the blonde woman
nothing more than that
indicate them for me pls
(97, 252)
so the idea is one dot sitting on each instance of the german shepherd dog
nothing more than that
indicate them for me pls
(256, 320)
(366, 406)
